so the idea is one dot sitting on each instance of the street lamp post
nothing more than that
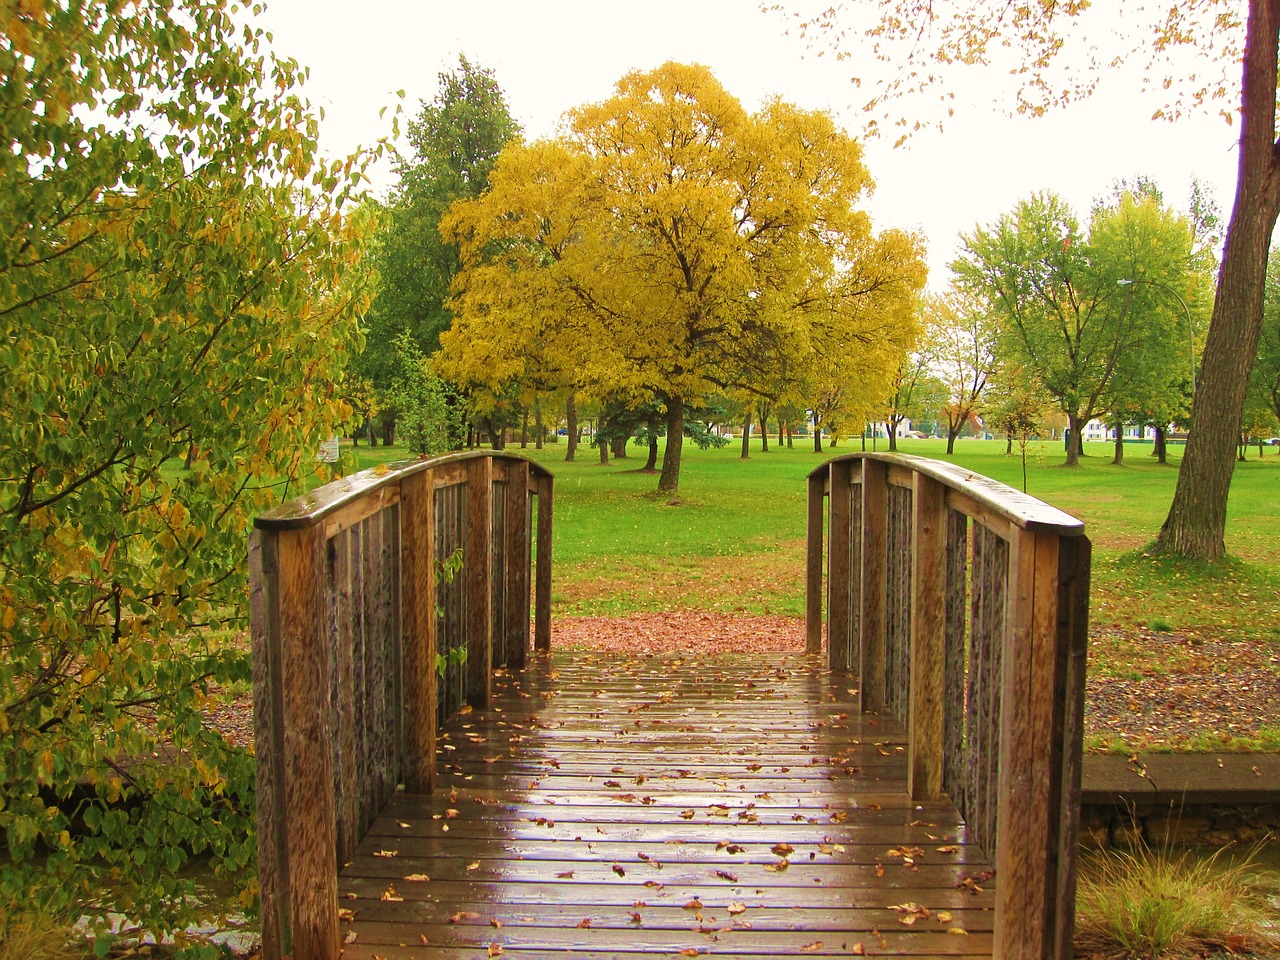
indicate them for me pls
(1191, 333)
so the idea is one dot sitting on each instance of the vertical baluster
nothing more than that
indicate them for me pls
(542, 601)
(838, 571)
(813, 564)
(478, 570)
(417, 572)
(516, 587)
(926, 657)
(875, 482)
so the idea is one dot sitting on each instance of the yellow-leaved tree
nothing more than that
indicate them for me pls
(672, 244)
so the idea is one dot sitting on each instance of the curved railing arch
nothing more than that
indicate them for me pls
(962, 605)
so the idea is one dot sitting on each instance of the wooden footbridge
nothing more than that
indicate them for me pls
(914, 792)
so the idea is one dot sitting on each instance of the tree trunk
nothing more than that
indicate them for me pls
(538, 428)
(892, 430)
(790, 437)
(524, 430)
(651, 464)
(746, 435)
(817, 435)
(1074, 443)
(782, 431)
(669, 482)
(951, 440)
(1161, 451)
(1008, 445)
(571, 414)
(1197, 521)
(618, 446)
(603, 444)
(764, 427)
(1118, 458)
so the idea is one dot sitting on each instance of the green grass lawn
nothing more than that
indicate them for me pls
(734, 539)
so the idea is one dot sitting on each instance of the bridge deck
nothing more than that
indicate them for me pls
(610, 806)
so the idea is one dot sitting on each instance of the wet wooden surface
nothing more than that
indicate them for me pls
(612, 806)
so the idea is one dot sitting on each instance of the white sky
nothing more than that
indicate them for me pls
(552, 55)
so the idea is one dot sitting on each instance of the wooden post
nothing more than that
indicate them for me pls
(517, 572)
(813, 565)
(542, 588)
(875, 563)
(478, 567)
(1074, 562)
(1027, 809)
(928, 633)
(297, 825)
(838, 572)
(418, 611)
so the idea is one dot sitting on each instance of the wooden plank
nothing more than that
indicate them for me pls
(565, 814)
(1074, 563)
(393, 619)
(981, 513)
(813, 565)
(874, 575)
(418, 613)
(310, 833)
(1024, 814)
(517, 568)
(898, 612)
(477, 569)
(448, 474)
(376, 667)
(956, 660)
(346, 787)
(345, 517)
(268, 724)
(928, 635)
(838, 570)
(498, 562)
(542, 587)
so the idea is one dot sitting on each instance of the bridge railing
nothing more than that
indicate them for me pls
(962, 605)
(355, 589)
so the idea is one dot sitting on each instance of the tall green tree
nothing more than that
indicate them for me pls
(455, 139)
(1239, 44)
(1065, 316)
(178, 282)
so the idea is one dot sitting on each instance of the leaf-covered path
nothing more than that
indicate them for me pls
(614, 804)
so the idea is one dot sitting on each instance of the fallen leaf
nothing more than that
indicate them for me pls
(635, 917)
(944, 916)
(783, 849)
(346, 915)
(386, 853)
(391, 896)
(418, 877)
(858, 950)
(619, 871)
(473, 865)
(495, 950)
(726, 875)
(811, 947)
(949, 848)
(349, 937)
(694, 904)
(565, 874)
(737, 906)
(686, 814)
(462, 916)
(584, 923)
(959, 930)
(690, 952)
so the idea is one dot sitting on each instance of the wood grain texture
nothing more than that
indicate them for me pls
(268, 724)
(598, 787)
(477, 571)
(817, 485)
(542, 586)
(898, 612)
(418, 616)
(955, 660)
(517, 580)
(310, 832)
(928, 633)
(875, 559)
(839, 572)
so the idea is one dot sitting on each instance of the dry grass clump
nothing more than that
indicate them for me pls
(1161, 904)
(28, 930)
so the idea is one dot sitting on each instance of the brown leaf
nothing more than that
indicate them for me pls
(418, 877)
(783, 849)
(617, 868)
(737, 906)
(386, 853)
(686, 814)
(690, 952)
(565, 874)
(694, 904)
(346, 915)
(858, 950)
(584, 923)
(635, 917)
(391, 896)
(462, 916)
(473, 865)
(349, 937)
(726, 875)
(495, 950)
(811, 947)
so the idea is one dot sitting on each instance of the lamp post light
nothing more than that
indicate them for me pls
(1191, 333)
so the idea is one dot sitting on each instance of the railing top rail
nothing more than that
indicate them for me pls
(1018, 508)
(312, 508)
